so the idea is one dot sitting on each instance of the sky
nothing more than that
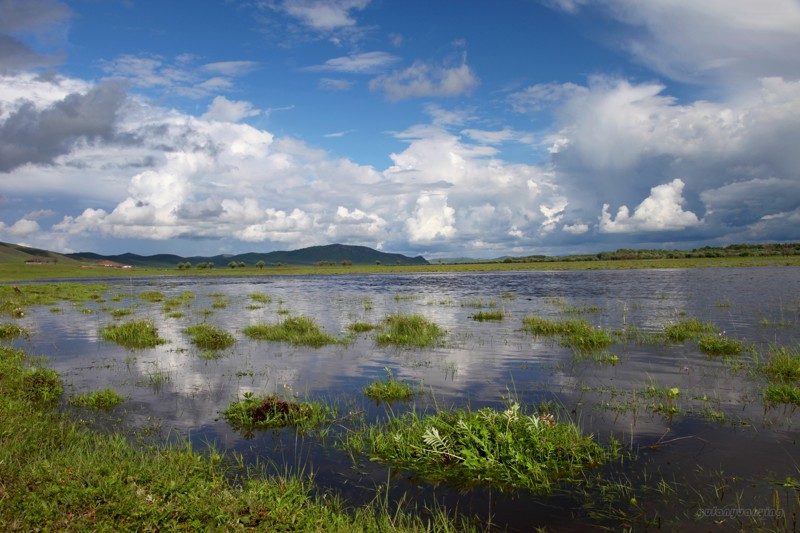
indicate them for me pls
(454, 128)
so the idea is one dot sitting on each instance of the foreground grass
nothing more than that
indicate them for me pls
(105, 399)
(507, 449)
(58, 476)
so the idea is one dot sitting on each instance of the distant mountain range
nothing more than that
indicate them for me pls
(332, 253)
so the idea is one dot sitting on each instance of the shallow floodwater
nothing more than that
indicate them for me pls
(722, 434)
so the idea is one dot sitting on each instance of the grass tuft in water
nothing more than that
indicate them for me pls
(105, 399)
(483, 316)
(135, 334)
(41, 385)
(271, 412)
(782, 393)
(577, 334)
(507, 449)
(151, 296)
(687, 329)
(390, 389)
(783, 364)
(719, 345)
(260, 297)
(12, 331)
(361, 327)
(119, 313)
(299, 330)
(413, 331)
(208, 337)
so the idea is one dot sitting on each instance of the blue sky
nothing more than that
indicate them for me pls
(451, 128)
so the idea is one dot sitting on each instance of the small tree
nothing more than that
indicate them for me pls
(233, 264)
(187, 265)
(346, 262)
(180, 266)
(241, 264)
(260, 265)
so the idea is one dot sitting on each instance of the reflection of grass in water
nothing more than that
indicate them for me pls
(414, 331)
(298, 330)
(507, 449)
(104, 399)
(133, 334)
(157, 376)
(210, 337)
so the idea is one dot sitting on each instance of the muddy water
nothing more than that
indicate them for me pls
(722, 434)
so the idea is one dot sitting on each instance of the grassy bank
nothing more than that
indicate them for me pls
(10, 272)
(57, 475)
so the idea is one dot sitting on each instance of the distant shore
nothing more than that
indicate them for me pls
(11, 272)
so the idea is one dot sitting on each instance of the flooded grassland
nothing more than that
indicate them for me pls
(642, 399)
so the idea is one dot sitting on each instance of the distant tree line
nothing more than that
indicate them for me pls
(733, 250)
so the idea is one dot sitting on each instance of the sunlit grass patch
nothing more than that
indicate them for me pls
(782, 364)
(414, 331)
(135, 334)
(361, 327)
(390, 389)
(483, 316)
(210, 337)
(41, 384)
(782, 393)
(577, 334)
(119, 313)
(260, 297)
(297, 330)
(151, 296)
(104, 399)
(12, 331)
(271, 412)
(687, 329)
(719, 345)
(508, 449)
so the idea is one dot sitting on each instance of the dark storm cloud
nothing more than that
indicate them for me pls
(32, 135)
(26, 16)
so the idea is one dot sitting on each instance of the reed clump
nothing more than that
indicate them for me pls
(105, 399)
(271, 412)
(390, 389)
(209, 337)
(578, 334)
(412, 331)
(135, 334)
(507, 449)
(298, 330)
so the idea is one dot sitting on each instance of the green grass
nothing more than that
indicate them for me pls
(687, 329)
(782, 393)
(151, 296)
(135, 334)
(411, 331)
(577, 334)
(719, 345)
(483, 316)
(12, 331)
(119, 313)
(41, 384)
(172, 305)
(782, 364)
(104, 399)
(208, 337)
(56, 475)
(271, 412)
(299, 330)
(506, 449)
(390, 389)
(260, 297)
(361, 327)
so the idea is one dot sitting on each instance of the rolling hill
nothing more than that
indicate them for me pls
(332, 253)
